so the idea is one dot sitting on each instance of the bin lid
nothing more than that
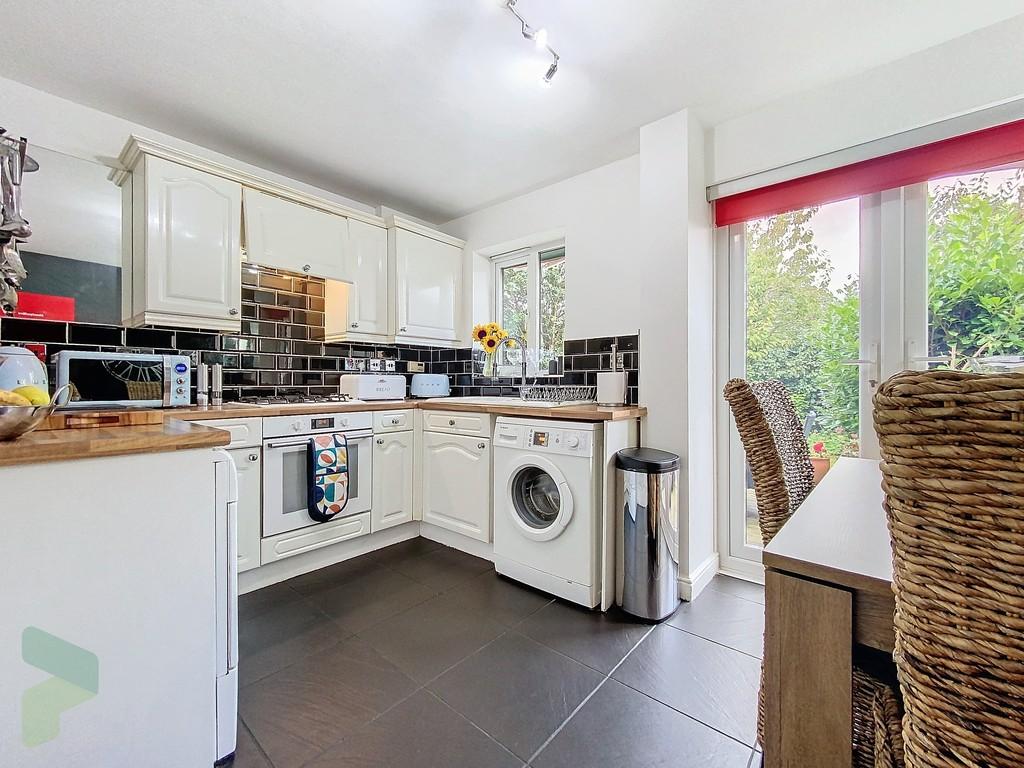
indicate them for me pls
(649, 460)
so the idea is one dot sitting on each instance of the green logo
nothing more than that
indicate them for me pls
(76, 679)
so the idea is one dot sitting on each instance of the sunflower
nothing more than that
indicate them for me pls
(480, 332)
(490, 343)
(493, 329)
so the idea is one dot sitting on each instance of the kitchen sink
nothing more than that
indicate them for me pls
(508, 401)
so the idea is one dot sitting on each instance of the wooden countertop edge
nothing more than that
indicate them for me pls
(100, 442)
(825, 573)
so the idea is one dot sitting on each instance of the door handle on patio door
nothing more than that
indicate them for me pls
(876, 373)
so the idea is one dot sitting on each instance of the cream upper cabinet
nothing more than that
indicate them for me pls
(284, 234)
(368, 294)
(185, 251)
(428, 284)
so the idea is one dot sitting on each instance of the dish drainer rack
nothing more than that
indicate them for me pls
(559, 393)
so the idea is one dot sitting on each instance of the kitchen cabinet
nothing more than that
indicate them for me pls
(456, 483)
(248, 465)
(392, 500)
(183, 254)
(427, 269)
(368, 294)
(287, 235)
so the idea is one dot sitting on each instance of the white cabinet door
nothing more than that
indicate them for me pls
(283, 234)
(392, 502)
(247, 462)
(429, 287)
(456, 484)
(368, 267)
(193, 247)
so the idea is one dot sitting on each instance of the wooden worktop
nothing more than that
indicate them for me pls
(95, 442)
(839, 534)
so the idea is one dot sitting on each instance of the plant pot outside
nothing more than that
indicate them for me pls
(821, 466)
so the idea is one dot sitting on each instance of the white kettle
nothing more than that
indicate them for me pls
(19, 367)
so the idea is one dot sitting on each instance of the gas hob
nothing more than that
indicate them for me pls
(279, 401)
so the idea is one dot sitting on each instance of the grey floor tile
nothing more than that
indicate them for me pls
(517, 690)
(748, 590)
(428, 639)
(498, 598)
(724, 618)
(377, 596)
(333, 576)
(403, 550)
(281, 636)
(599, 640)
(620, 727)
(421, 732)
(297, 713)
(443, 568)
(252, 604)
(247, 752)
(709, 682)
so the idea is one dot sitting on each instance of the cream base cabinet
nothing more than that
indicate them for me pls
(456, 483)
(185, 251)
(248, 466)
(392, 501)
(427, 271)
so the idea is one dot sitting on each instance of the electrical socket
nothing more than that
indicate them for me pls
(375, 364)
(414, 367)
(389, 365)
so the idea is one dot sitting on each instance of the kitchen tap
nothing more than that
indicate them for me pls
(522, 345)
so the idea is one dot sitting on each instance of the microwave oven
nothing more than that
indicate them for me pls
(124, 380)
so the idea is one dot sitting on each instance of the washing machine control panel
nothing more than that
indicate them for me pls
(564, 441)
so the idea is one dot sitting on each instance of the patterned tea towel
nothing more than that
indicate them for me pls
(328, 476)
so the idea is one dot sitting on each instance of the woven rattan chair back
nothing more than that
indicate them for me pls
(776, 450)
(952, 447)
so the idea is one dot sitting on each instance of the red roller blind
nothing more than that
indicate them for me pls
(970, 152)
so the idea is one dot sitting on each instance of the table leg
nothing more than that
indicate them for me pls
(808, 660)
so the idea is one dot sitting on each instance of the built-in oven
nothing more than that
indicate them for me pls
(286, 474)
(124, 379)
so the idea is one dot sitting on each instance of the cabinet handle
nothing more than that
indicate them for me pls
(355, 325)
(305, 267)
(481, 446)
(254, 457)
(380, 441)
(232, 311)
(402, 330)
(451, 422)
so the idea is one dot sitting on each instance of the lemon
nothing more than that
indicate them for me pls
(33, 394)
(13, 398)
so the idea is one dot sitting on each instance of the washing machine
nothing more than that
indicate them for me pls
(548, 506)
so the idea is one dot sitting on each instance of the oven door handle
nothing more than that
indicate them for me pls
(357, 435)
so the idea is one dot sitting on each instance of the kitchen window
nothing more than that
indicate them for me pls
(530, 303)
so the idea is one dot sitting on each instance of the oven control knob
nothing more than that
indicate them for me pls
(572, 441)
(180, 380)
(296, 426)
(180, 390)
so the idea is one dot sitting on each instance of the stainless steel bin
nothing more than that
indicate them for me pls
(647, 541)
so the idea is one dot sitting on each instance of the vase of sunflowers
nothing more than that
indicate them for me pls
(489, 336)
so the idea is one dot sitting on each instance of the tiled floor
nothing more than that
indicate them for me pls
(419, 656)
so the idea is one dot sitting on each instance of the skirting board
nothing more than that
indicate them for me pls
(285, 569)
(457, 541)
(692, 585)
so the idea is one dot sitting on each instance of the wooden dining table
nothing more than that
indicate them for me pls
(828, 593)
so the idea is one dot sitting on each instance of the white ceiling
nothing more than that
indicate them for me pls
(435, 106)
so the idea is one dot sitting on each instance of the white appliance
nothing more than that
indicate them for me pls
(19, 367)
(286, 473)
(227, 604)
(369, 386)
(429, 385)
(125, 379)
(547, 506)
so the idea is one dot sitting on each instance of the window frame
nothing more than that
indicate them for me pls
(530, 258)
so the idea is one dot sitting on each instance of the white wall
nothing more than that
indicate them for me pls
(966, 74)
(64, 126)
(629, 230)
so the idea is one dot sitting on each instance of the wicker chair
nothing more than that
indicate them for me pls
(780, 463)
(953, 472)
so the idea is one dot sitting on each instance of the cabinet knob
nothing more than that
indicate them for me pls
(380, 441)
(402, 330)
(451, 422)
(254, 457)
(355, 325)
(232, 311)
(305, 267)
(481, 446)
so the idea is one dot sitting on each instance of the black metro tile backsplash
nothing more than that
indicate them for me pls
(283, 351)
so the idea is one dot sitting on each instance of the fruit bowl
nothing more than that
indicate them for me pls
(16, 420)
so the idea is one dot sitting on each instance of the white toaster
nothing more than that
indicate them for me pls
(371, 386)
(429, 385)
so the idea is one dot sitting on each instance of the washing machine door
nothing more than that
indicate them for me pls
(539, 500)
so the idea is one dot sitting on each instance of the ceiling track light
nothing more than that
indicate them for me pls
(539, 36)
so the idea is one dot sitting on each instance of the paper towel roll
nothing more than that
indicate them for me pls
(611, 388)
